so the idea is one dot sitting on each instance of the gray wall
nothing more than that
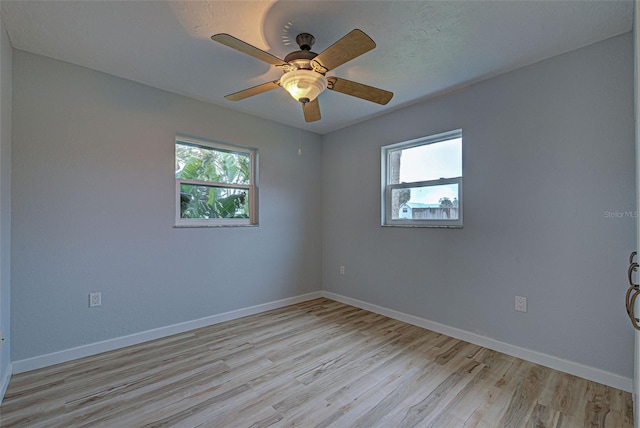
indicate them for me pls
(93, 210)
(548, 151)
(92, 203)
(5, 197)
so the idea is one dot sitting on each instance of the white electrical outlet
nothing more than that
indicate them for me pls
(521, 304)
(341, 270)
(95, 299)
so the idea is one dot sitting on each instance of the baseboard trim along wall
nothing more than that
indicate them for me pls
(566, 366)
(46, 360)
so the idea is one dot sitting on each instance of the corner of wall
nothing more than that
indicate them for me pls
(6, 85)
(4, 381)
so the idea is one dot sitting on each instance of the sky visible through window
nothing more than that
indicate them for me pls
(432, 162)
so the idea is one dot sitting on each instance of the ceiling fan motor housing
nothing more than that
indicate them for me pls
(301, 60)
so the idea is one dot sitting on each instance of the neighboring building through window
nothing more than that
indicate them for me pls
(215, 183)
(422, 182)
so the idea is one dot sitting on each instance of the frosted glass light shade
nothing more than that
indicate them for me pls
(303, 85)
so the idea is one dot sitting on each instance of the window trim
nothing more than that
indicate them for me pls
(387, 188)
(252, 187)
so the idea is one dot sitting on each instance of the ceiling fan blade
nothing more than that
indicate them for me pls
(244, 47)
(347, 48)
(311, 111)
(241, 95)
(359, 90)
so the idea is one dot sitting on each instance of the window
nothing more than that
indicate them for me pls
(422, 182)
(215, 184)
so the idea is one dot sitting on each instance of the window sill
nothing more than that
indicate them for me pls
(196, 226)
(432, 226)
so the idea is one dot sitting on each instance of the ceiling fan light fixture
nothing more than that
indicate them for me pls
(303, 85)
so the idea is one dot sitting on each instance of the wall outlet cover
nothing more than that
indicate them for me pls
(95, 299)
(521, 304)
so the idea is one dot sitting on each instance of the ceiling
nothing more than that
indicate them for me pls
(424, 48)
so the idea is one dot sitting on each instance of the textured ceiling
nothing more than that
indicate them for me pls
(423, 47)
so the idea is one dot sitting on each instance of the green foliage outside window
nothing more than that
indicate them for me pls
(212, 168)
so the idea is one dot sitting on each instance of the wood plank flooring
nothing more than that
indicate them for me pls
(316, 364)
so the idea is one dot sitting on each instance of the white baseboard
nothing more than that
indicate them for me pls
(566, 366)
(4, 382)
(46, 360)
(560, 364)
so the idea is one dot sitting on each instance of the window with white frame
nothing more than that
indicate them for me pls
(422, 182)
(215, 183)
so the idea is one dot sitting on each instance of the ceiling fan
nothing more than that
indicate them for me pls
(304, 71)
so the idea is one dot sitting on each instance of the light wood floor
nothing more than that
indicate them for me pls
(316, 364)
